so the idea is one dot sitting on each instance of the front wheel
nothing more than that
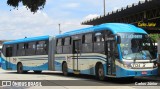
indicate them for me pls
(100, 72)
(129, 78)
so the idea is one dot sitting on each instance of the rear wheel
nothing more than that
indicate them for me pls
(20, 68)
(37, 71)
(65, 69)
(100, 72)
(25, 72)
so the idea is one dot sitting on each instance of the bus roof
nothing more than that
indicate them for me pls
(113, 27)
(27, 40)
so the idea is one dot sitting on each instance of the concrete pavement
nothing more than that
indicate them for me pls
(84, 79)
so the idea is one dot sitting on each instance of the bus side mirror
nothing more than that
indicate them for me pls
(118, 39)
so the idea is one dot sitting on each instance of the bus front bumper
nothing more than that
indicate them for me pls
(121, 72)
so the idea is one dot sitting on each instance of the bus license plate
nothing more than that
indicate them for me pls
(144, 72)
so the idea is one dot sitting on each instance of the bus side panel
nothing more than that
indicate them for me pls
(41, 67)
(39, 62)
(86, 62)
(28, 62)
(3, 64)
(59, 59)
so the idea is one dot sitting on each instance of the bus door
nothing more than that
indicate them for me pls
(76, 54)
(8, 55)
(110, 53)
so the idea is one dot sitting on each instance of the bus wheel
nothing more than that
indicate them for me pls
(25, 72)
(65, 69)
(37, 71)
(129, 78)
(100, 72)
(20, 68)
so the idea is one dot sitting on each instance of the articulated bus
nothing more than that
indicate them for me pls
(107, 50)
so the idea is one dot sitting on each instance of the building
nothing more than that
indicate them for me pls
(143, 14)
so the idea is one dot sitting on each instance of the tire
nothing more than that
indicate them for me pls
(129, 78)
(20, 68)
(100, 72)
(25, 72)
(37, 71)
(65, 69)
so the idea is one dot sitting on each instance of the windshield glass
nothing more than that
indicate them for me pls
(136, 46)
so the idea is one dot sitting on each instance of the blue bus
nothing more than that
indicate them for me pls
(26, 54)
(107, 50)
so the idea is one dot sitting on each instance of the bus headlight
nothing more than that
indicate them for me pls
(155, 64)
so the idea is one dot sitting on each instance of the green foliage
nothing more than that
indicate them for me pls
(155, 37)
(33, 5)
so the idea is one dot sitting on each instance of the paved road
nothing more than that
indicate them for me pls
(80, 81)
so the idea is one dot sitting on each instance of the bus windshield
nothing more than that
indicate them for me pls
(136, 46)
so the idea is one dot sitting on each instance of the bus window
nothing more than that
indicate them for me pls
(88, 38)
(30, 49)
(9, 51)
(59, 43)
(87, 43)
(98, 37)
(4, 50)
(67, 45)
(14, 49)
(41, 48)
(26, 46)
(67, 41)
(59, 46)
(46, 47)
(98, 42)
(20, 49)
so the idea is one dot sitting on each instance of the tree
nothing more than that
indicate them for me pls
(33, 5)
(155, 37)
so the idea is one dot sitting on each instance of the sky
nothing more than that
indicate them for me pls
(17, 24)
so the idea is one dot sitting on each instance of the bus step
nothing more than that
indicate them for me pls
(76, 72)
